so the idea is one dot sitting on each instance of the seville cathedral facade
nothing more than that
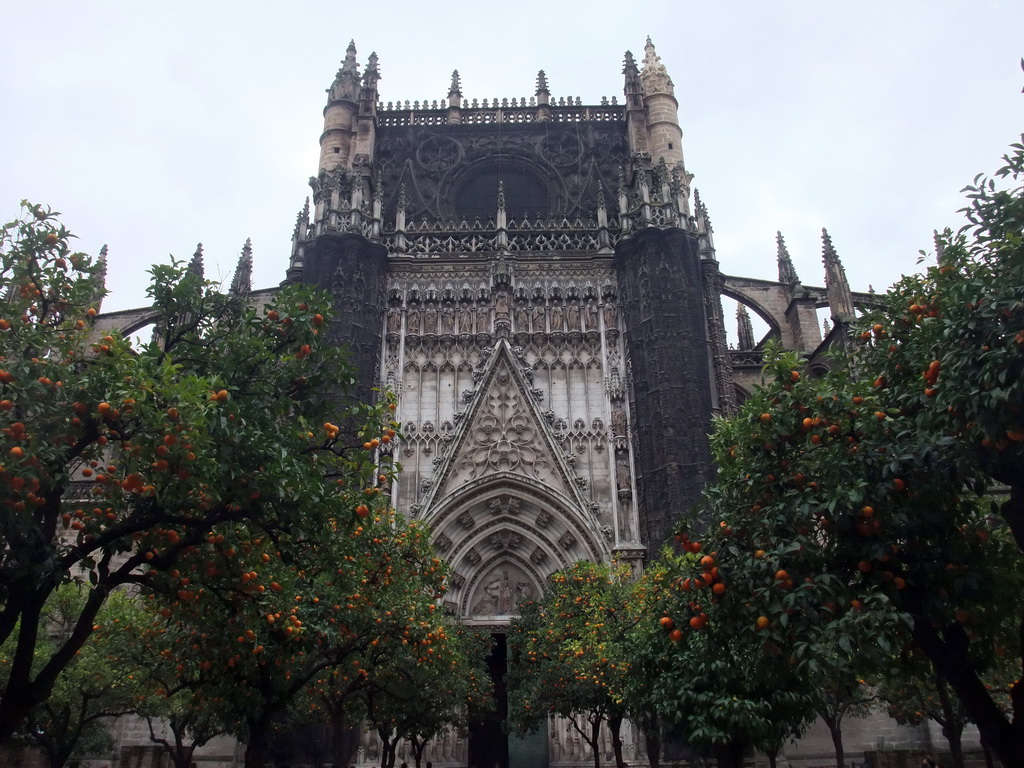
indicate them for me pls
(536, 280)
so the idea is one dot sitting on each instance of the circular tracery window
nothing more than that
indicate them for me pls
(478, 197)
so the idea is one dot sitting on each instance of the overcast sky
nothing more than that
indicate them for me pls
(153, 126)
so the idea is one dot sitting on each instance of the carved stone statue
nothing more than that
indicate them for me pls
(619, 422)
(590, 316)
(538, 319)
(448, 319)
(394, 320)
(611, 316)
(557, 318)
(501, 307)
(522, 319)
(412, 323)
(430, 323)
(573, 316)
(483, 319)
(465, 319)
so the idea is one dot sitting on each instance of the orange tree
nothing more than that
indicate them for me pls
(711, 677)
(855, 497)
(260, 625)
(913, 691)
(116, 461)
(430, 679)
(570, 653)
(87, 697)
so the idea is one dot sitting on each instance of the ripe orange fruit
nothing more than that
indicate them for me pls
(763, 622)
(781, 575)
(765, 418)
(698, 622)
(667, 623)
(675, 635)
(794, 375)
(719, 588)
(362, 510)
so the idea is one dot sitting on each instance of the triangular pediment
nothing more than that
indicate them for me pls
(504, 432)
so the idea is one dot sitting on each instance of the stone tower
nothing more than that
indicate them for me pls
(527, 276)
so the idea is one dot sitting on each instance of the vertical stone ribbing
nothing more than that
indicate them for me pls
(721, 361)
(354, 271)
(662, 297)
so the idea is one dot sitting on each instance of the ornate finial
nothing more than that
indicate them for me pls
(837, 288)
(787, 272)
(703, 219)
(542, 83)
(828, 251)
(195, 266)
(629, 64)
(654, 76)
(501, 195)
(346, 82)
(826, 327)
(99, 277)
(349, 65)
(241, 283)
(601, 203)
(371, 74)
(622, 180)
(940, 247)
(744, 328)
(378, 187)
(301, 222)
(402, 202)
(455, 89)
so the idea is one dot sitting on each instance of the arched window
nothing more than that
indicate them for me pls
(478, 197)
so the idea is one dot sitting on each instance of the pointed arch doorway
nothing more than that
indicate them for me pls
(490, 743)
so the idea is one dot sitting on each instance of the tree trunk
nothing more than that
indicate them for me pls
(835, 729)
(730, 755)
(387, 752)
(773, 757)
(652, 740)
(257, 745)
(949, 653)
(595, 741)
(615, 726)
(344, 739)
(418, 747)
(953, 725)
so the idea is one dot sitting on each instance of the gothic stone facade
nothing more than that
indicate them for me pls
(531, 280)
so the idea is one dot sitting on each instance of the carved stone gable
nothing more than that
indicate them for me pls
(503, 432)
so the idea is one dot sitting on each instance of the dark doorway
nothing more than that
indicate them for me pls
(488, 742)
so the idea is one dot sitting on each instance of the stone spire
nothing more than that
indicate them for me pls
(654, 76)
(301, 223)
(744, 328)
(787, 272)
(837, 288)
(371, 74)
(705, 232)
(346, 82)
(455, 89)
(542, 93)
(99, 279)
(631, 73)
(241, 283)
(195, 266)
